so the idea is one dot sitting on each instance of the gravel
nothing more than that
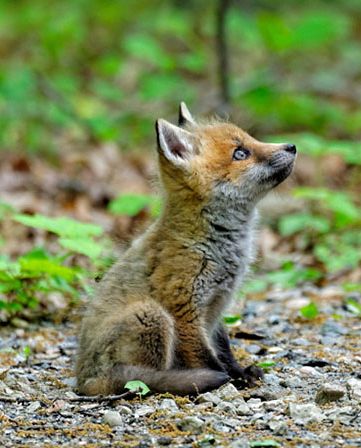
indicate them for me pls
(310, 395)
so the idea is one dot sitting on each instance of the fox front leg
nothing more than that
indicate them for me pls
(243, 376)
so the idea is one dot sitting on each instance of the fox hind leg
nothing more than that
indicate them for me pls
(142, 336)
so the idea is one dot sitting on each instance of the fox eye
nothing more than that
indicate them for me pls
(241, 153)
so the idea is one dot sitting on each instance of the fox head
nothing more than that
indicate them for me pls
(219, 159)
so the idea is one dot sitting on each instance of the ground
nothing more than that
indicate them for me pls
(310, 395)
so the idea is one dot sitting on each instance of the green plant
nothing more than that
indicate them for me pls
(330, 227)
(137, 386)
(309, 311)
(26, 281)
(132, 204)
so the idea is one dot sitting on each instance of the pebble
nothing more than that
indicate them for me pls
(169, 405)
(242, 408)
(255, 404)
(309, 371)
(254, 349)
(303, 414)
(209, 397)
(142, 411)
(124, 410)
(301, 341)
(274, 405)
(34, 406)
(226, 408)
(112, 418)
(192, 424)
(329, 392)
(355, 388)
(271, 378)
(278, 425)
(228, 392)
(332, 328)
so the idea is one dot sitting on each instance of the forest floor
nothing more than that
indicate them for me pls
(310, 395)
(311, 392)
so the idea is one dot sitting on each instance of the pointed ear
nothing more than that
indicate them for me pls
(176, 144)
(184, 117)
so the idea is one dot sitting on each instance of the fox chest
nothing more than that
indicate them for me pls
(224, 264)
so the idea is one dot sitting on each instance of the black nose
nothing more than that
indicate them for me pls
(291, 148)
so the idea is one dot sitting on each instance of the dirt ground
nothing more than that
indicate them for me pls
(310, 396)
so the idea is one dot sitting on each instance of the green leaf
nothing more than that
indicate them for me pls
(266, 364)
(33, 268)
(64, 227)
(353, 306)
(129, 204)
(84, 246)
(231, 320)
(309, 311)
(297, 222)
(137, 386)
(264, 443)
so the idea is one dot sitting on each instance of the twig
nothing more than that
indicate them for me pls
(222, 55)
(80, 399)
(95, 398)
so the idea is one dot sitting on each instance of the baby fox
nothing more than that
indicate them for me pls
(157, 314)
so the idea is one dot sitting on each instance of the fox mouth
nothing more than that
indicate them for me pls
(283, 173)
(279, 175)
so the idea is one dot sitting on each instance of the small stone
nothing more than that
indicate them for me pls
(272, 350)
(309, 371)
(291, 382)
(34, 406)
(164, 440)
(192, 424)
(243, 409)
(301, 341)
(124, 410)
(274, 405)
(278, 425)
(228, 392)
(253, 349)
(142, 411)
(303, 414)
(227, 408)
(271, 378)
(204, 406)
(255, 404)
(355, 388)
(169, 405)
(329, 392)
(332, 328)
(209, 397)
(112, 418)
(19, 323)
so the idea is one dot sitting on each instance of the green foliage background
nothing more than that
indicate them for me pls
(89, 71)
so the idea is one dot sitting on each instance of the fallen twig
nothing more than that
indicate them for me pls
(81, 399)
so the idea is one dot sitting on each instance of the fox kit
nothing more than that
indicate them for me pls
(157, 314)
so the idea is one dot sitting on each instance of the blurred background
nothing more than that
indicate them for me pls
(81, 85)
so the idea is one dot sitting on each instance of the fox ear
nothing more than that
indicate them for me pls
(176, 144)
(184, 116)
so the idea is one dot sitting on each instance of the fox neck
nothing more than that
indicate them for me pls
(186, 215)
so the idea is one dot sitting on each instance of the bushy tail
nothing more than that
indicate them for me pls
(178, 382)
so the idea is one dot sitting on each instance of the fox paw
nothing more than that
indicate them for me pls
(247, 377)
